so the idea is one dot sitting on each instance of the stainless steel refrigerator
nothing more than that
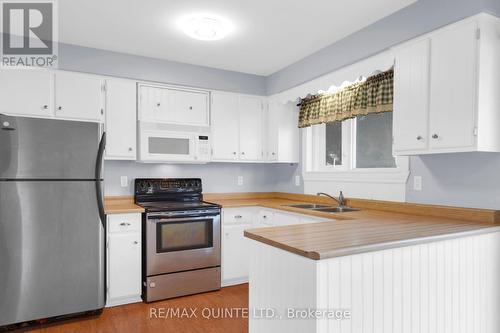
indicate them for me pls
(52, 250)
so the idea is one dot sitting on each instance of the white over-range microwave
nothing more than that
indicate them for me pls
(173, 143)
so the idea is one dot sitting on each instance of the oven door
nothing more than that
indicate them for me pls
(166, 146)
(176, 244)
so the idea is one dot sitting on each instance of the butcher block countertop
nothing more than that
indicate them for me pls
(376, 226)
(121, 205)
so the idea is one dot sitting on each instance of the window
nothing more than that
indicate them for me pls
(374, 141)
(359, 145)
(333, 143)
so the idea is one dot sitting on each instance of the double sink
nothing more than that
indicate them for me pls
(325, 208)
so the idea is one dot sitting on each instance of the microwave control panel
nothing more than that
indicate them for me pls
(203, 149)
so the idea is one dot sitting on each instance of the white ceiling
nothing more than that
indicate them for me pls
(268, 36)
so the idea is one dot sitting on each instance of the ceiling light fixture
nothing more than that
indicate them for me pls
(205, 27)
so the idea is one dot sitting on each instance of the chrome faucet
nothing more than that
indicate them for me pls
(340, 200)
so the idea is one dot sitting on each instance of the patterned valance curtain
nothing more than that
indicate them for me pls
(371, 96)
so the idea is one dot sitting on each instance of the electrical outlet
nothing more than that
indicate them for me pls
(417, 183)
(297, 180)
(240, 180)
(124, 181)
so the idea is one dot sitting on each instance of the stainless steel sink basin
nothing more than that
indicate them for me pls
(309, 206)
(336, 209)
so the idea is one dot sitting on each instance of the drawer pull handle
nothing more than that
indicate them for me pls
(136, 242)
(238, 216)
(125, 224)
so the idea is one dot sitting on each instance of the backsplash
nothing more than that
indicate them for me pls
(216, 177)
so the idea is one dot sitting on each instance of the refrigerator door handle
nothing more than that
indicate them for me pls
(98, 180)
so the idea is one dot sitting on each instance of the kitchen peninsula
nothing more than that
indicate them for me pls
(381, 271)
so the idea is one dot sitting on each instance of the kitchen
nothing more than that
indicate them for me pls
(242, 176)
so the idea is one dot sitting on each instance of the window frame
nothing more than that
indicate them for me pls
(314, 159)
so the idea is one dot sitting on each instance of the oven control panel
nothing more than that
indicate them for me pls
(167, 185)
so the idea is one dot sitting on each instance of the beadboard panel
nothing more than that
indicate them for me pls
(447, 286)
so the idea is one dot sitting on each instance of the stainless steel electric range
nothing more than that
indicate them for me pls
(181, 238)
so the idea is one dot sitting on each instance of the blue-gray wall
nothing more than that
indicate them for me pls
(465, 179)
(216, 177)
(97, 61)
(412, 21)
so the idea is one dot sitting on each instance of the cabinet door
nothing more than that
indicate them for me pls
(187, 107)
(453, 87)
(411, 98)
(121, 136)
(153, 104)
(280, 219)
(251, 123)
(225, 126)
(79, 96)
(235, 255)
(26, 92)
(272, 121)
(124, 265)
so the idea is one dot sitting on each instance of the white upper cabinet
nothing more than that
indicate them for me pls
(26, 92)
(225, 126)
(446, 90)
(251, 125)
(282, 135)
(121, 137)
(411, 98)
(79, 96)
(237, 127)
(174, 106)
(453, 87)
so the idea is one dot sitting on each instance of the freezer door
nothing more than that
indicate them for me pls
(32, 148)
(51, 250)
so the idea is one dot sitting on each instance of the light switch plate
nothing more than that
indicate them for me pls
(240, 180)
(124, 181)
(417, 183)
(297, 180)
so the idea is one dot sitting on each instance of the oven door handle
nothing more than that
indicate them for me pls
(159, 219)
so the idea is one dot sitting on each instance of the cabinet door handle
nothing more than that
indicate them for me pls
(130, 149)
(264, 216)
(45, 107)
(419, 137)
(136, 242)
(234, 153)
(190, 108)
(435, 136)
(158, 104)
(59, 108)
(125, 224)
(273, 154)
(238, 216)
(242, 153)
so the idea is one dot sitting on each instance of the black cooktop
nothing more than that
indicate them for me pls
(158, 206)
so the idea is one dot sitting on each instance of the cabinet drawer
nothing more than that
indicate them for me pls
(124, 222)
(237, 216)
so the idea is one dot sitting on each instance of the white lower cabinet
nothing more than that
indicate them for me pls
(123, 247)
(235, 246)
(235, 258)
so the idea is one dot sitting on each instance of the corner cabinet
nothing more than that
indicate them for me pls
(446, 90)
(121, 119)
(123, 245)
